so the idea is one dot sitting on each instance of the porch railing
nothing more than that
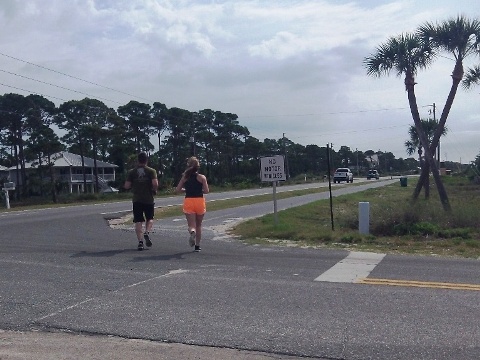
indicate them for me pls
(78, 178)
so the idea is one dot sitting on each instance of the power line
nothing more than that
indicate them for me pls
(138, 97)
(326, 113)
(73, 77)
(31, 92)
(58, 86)
(331, 113)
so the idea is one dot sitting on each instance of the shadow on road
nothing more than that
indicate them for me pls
(107, 253)
(178, 256)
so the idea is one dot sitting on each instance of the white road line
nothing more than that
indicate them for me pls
(356, 265)
(170, 273)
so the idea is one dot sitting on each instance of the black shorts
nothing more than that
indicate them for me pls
(142, 211)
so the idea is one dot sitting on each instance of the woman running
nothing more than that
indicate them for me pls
(194, 185)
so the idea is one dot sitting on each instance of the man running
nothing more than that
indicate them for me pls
(144, 184)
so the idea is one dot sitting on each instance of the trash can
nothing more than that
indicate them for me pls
(403, 181)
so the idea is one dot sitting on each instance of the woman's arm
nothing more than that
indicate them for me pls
(204, 182)
(179, 187)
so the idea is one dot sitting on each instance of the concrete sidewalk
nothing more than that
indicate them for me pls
(39, 345)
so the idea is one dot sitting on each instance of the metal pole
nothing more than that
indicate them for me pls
(192, 138)
(287, 169)
(364, 217)
(330, 187)
(275, 215)
(438, 146)
(7, 199)
(358, 171)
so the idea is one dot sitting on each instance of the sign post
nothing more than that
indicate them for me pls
(272, 169)
(6, 187)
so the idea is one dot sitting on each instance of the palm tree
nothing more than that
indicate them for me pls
(406, 54)
(460, 37)
(429, 126)
(471, 77)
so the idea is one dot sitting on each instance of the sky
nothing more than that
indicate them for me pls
(290, 68)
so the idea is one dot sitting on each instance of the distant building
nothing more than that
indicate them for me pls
(67, 167)
(373, 161)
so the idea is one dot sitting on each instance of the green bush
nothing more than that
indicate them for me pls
(418, 228)
(351, 239)
(454, 233)
(424, 228)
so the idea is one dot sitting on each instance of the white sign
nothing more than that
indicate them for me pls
(272, 168)
(9, 186)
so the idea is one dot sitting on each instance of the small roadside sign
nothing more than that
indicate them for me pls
(272, 168)
(8, 186)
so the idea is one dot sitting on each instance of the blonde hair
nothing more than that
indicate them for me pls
(192, 166)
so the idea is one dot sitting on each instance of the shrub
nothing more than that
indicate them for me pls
(351, 239)
(454, 233)
(424, 228)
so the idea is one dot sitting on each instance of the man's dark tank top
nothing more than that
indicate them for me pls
(193, 188)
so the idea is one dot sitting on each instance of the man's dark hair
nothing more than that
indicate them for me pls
(142, 158)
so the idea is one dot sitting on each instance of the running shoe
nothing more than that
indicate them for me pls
(197, 248)
(140, 246)
(191, 239)
(146, 237)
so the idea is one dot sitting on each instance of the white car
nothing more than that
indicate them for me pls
(343, 174)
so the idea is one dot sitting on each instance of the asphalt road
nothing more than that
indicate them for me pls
(71, 284)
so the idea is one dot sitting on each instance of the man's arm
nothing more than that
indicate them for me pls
(154, 185)
(127, 185)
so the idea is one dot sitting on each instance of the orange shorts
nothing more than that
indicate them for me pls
(194, 206)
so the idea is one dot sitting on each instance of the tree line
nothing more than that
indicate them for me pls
(30, 127)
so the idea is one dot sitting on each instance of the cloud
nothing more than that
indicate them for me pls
(283, 45)
(286, 66)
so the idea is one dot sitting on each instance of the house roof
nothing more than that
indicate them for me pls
(67, 159)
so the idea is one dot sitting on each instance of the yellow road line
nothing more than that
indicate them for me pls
(423, 284)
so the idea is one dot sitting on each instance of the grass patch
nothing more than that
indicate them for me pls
(213, 205)
(396, 223)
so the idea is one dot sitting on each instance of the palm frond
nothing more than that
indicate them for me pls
(472, 77)
(404, 54)
(459, 36)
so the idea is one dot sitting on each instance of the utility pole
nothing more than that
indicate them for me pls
(330, 154)
(438, 146)
(356, 152)
(287, 169)
(192, 138)
(330, 187)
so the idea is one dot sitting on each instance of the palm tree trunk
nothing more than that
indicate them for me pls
(420, 183)
(427, 181)
(418, 187)
(410, 87)
(457, 76)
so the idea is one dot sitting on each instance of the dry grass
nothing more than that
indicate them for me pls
(396, 223)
